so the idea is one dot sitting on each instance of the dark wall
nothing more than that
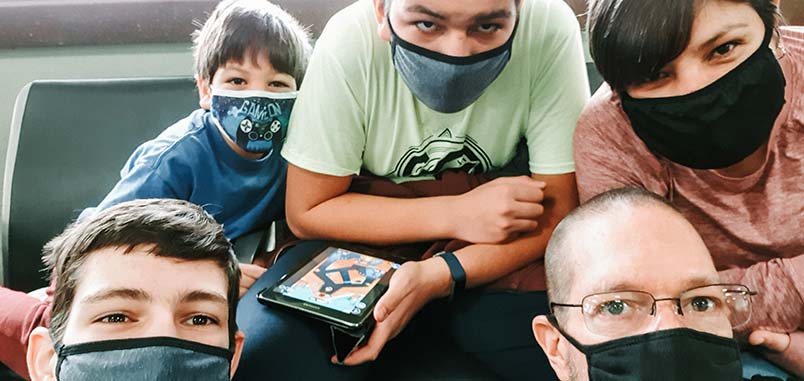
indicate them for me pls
(89, 22)
(793, 11)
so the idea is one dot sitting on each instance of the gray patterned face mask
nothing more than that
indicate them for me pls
(445, 83)
(150, 358)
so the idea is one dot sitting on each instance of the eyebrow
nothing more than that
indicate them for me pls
(699, 281)
(117, 293)
(726, 29)
(422, 9)
(500, 13)
(203, 296)
(234, 66)
(685, 285)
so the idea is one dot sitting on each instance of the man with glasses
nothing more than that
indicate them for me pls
(635, 296)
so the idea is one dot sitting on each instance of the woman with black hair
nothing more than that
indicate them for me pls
(703, 105)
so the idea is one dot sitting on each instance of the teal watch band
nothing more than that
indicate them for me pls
(456, 271)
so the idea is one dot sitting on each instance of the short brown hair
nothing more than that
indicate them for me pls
(257, 26)
(172, 228)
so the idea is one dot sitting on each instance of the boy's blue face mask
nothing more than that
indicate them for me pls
(257, 121)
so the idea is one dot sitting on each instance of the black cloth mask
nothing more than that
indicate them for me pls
(151, 358)
(719, 125)
(679, 354)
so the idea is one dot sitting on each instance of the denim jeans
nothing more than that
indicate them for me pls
(755, 365)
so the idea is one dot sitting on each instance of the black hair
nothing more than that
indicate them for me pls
(632, 40)
(236, 27)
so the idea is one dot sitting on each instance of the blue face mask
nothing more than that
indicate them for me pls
(150, 358)
(445, 83)
(257, 121)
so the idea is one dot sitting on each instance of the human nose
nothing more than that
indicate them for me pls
(668, 315)
(457, 45)
(162, 324)
(692, 77)
(260, 86)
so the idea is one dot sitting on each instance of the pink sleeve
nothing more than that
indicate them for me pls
(779, 305)
(19, 315)
(607, 153)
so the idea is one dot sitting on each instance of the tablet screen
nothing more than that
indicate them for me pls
(339, 279)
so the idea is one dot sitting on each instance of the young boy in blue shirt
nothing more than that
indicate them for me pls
(250, 58)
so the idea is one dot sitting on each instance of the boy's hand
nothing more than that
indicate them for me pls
(248, 275)
(498, 210)
(776, 342)
(412, 286)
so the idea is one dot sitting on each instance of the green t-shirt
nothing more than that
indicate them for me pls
(355, 112)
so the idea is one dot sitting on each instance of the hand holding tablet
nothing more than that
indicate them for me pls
(340, 287)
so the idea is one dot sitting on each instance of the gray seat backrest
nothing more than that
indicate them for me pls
(68, 142)
(595, 80)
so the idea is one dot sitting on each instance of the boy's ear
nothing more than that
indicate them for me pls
(239, 338)
(41, 356)
(382, 21)
(549, 338)
(204, 93)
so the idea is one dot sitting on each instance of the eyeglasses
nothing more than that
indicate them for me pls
(711, 308)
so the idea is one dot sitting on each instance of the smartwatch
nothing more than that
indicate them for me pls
(456, 271)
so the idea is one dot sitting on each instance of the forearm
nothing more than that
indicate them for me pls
(379, 220)
(779, 305)
(485, 263)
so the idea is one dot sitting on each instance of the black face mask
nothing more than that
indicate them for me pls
(680, 354)
(719, 125)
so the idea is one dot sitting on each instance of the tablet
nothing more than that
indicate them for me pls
(339, 286)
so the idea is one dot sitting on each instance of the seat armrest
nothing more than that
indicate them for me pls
(247, 246)
(262, 247)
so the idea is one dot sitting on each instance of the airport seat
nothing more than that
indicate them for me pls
(595, 80)
(68, 141)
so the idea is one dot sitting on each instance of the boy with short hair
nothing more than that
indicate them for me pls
(250, 58)
(174, 319)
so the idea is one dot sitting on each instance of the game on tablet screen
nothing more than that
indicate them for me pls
(340, 282)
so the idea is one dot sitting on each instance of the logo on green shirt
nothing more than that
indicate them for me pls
(442, 152)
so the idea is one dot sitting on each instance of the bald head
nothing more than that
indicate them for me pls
(611, 240)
